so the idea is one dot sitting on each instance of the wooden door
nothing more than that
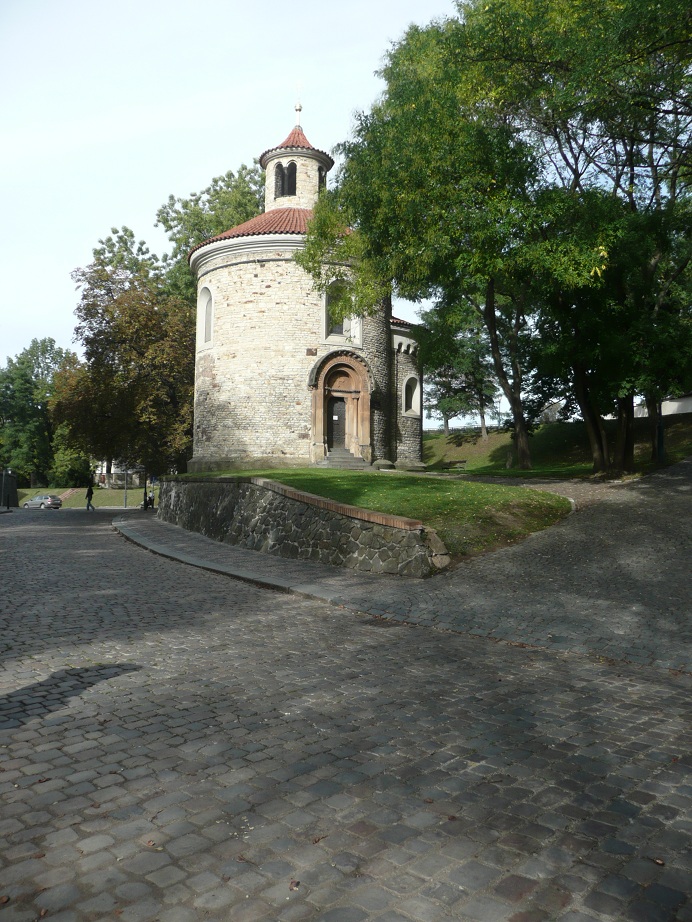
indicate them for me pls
(336, 423)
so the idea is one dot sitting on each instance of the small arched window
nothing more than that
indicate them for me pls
(412, 397)
(321, 177)
(290, 186)
(207, 303)
(279, 181)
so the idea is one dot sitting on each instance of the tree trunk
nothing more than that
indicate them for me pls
(595, 429)
(653, 408)
(511, 390)
(624, 443)
(445, 423)
(521, 436)
(484, 427)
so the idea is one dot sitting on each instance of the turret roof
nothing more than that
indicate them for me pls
(277, 221)
(296, 140)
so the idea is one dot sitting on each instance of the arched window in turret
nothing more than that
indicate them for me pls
(411, 396)
(279, 181)
(290, 187)
(321, 177)
(206, 306)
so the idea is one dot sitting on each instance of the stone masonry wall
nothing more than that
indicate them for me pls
(377, 349)
(307, 182)
(252, 400)
(269, 517)
(409, 425)
(252, 396)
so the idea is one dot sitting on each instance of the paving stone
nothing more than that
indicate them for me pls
(483, 909)
(59, 897)
(142, 911)
(224, 710)
(473, 876)
(345, 915)
(179, 914)
(514, 888)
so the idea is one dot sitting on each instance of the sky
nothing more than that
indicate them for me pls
(108, 107)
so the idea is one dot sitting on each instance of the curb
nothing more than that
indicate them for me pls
(262, 582)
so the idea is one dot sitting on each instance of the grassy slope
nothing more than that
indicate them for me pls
(557, 449)
(474, 517)
(469, 517)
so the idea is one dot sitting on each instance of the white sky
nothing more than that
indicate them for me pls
(108, 107)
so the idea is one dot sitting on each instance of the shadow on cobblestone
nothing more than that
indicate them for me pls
(52, 694)
(220, 752)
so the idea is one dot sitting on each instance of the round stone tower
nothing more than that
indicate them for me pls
(276, 381)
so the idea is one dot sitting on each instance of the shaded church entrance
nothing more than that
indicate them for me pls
(336, 423)
(341, 387)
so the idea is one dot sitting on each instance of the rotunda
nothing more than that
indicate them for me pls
(277, 382)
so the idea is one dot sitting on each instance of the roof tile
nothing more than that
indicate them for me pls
(296, 140)
(277, 221)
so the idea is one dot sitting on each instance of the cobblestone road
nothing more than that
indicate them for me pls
(178, 746)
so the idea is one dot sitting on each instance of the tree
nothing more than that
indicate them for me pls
(26, 387)
(457, 365)
(534, 163)
(71, 466)
(229, 200)
(437, 192)
(131, 400)
(605, 102)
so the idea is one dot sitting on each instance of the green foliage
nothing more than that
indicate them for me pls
(605, 101)
(26, 387)
(70, 465)
(229, 200)
(456, 359)
(131, 400)
(335, 258)
(531, 162)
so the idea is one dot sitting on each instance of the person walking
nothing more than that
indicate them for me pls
(89, 496)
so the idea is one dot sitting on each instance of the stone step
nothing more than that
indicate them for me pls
(342, 459)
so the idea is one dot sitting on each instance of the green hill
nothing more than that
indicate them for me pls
(557, 449)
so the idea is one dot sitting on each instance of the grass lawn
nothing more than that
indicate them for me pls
(469, 517)
(557, 449)
(102, 498)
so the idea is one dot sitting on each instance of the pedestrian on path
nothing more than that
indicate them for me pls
(89, 495)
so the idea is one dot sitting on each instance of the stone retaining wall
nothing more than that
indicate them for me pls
(266, 516)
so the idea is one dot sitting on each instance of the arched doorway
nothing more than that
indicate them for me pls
(341, 406)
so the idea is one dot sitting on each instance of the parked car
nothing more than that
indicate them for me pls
(44, 501)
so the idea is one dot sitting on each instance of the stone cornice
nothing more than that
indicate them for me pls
(247, 247)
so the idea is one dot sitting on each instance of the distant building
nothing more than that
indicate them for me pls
(670, 407)
(277, 381)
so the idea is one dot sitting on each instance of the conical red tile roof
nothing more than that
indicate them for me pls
(295, 141)
(277, 221)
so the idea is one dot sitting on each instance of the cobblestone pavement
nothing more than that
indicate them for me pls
(611, 581)
(176, 745)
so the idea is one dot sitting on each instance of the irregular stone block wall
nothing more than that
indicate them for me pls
(265, 516)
